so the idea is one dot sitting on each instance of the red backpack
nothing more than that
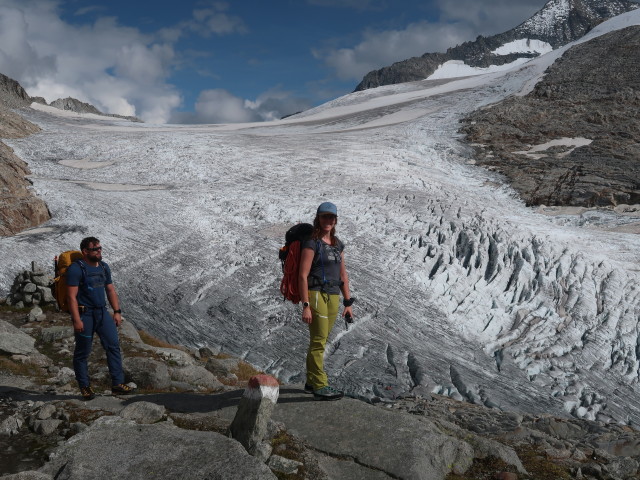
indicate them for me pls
(290, 259)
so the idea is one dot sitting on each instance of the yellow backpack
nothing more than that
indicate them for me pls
(62, 262)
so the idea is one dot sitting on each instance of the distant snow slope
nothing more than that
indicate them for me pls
(523, 46)
(461, 289)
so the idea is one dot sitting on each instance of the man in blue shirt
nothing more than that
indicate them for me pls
(89, 286)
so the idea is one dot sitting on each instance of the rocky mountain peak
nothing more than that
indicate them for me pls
(12, 94)
(74, 105)
(562, 21)
(556, 24)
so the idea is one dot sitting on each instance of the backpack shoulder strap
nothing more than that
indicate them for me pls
(83, 269)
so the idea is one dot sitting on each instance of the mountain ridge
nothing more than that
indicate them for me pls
(557, 23)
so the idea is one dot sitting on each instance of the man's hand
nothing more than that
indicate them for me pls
(78, 326)
(117, 317)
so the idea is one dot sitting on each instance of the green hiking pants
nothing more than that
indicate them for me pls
(324, 309)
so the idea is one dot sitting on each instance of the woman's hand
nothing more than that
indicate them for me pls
(306, 315)
(347, 310)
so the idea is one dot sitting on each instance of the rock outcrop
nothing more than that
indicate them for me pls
(19, 207)
(557, 23)
(159, 451)
(575, 139)
(12, 95)
(74, 105)
(77, 106)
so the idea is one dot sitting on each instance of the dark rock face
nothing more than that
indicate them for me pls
(19, 208)
(12, 95)
(557, 23)
(591, 92)
(75, 106)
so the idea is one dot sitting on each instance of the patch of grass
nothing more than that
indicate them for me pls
(286, 446)
(483, 469)
(156, 342)
(21, 369)
(222, 356)
(4, 308)
(539, 466)
(534, 461)
(245, 371)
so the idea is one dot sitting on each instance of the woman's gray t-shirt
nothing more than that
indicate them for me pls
(330, 258)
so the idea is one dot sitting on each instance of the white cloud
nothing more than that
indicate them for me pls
(116, 68)
(214, 19)
(221, 106)
(459, 21)
(378, 49)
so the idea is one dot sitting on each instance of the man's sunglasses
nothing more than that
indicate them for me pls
(94, 249)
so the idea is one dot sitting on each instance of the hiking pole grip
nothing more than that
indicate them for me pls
(347, 320)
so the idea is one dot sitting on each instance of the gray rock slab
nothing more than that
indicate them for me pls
(46, 427)
(143, 412)
(152, 451)
(221, 367)
(11, 425)
(283, 465)
(28, 475)
(12, 340)
(147, 373)
(128, 330)
(194, 375)
(339, 468)
(46, 411)
(399, 444)
(51, 334)
(106, 403)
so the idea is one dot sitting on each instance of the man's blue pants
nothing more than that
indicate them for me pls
(97, 320)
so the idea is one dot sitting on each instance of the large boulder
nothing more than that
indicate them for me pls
(147, 373)
(194, 375)
(143, 412)
(15, 341)
(354, 429)
(158, 451)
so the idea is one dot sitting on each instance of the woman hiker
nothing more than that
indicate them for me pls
(323, 275)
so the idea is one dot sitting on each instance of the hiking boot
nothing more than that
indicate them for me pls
(308, 388)
(87, 393)
(327, 393)
(122, 389)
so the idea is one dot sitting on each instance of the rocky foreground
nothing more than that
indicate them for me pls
(178, 422)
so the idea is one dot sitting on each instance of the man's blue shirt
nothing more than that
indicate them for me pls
(91, 287)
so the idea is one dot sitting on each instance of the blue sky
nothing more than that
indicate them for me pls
(203, 61)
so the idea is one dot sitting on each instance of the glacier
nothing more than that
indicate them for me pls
(461, 289)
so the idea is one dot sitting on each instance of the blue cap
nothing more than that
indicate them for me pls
(327, 207)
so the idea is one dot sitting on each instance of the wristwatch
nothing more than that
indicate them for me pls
(117, 311)
(305, 304)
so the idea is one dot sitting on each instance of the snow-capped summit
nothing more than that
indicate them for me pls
(554, 25)
(562, 21)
